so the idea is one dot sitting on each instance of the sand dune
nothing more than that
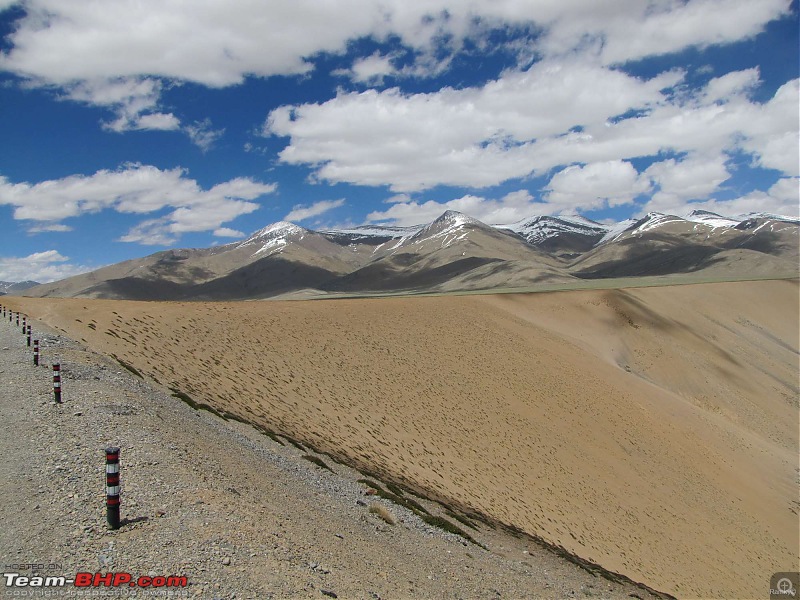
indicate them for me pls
(651, 430)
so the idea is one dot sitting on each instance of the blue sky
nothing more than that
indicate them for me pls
(132, 126)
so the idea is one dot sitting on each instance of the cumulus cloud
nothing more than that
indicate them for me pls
(300, 213)
(41, 266)
(87, 47)
(219, 43)
(632, 29)
(527, 123)
(203, 134)
(471, 137)
(783, 198)
(228, 232)
(137, 189)
(508, 209)
(372, 69)
(595, 186)
(691, 178)
(134, 100)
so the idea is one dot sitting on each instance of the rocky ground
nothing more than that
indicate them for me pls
(238, 513)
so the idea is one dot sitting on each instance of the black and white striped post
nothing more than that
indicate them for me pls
(29, 336)
(35, 353)
(112, 487)
(17, 319)
(24, 325)
(57, 383)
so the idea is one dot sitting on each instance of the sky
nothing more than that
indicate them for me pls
(133, 126)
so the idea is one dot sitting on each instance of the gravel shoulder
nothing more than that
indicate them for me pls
(239, 514)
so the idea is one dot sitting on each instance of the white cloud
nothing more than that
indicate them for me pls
(91, 44)
(731, 84)
(138, 189)
(300, 213)
(152, 232)
(217, 43)
(787, 190)
(51, 227)
(595, 186)
(530, 122)
(692, 178)
(158, 122)
(41, 266)
(203, 134)
(228, 232)
(511, 207)
(783, 198)
(472, 137)
(631, 29)
(372, 69)
(134, 100)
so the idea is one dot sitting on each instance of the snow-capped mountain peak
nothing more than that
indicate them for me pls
(711, 219)
(451, 226)
(274, 238)
(537, 229)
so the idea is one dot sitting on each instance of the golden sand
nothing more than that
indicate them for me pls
(652, 430)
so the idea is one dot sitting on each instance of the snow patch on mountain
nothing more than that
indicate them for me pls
(711, 219)
(449, 227)
(370, 231)
(536, 230)
(766, 215)
(274, 238)
(616, 230)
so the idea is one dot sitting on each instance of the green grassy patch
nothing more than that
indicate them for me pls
(408, 503)
(441, 523)
(196, 405)
(317, 461)
(127, 366)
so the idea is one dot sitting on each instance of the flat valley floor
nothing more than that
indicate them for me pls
(653, 431)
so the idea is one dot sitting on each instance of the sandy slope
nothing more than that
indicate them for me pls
(651, 430)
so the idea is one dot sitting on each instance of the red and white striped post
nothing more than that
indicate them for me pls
(35, 353)
(112, 487)
(57, 383)
(29, 336)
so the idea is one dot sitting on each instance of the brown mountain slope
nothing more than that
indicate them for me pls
(664, 244)
(455, 252)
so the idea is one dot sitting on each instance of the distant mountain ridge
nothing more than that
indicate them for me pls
(455, 252)
(11, 287)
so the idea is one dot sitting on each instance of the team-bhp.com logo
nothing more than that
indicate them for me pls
(784, 586)
(95, 580)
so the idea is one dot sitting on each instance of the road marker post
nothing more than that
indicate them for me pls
(35, 353)
(112, 487)
(57, 383)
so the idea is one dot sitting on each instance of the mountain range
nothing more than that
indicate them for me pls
(13, 287)
(455, 252)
